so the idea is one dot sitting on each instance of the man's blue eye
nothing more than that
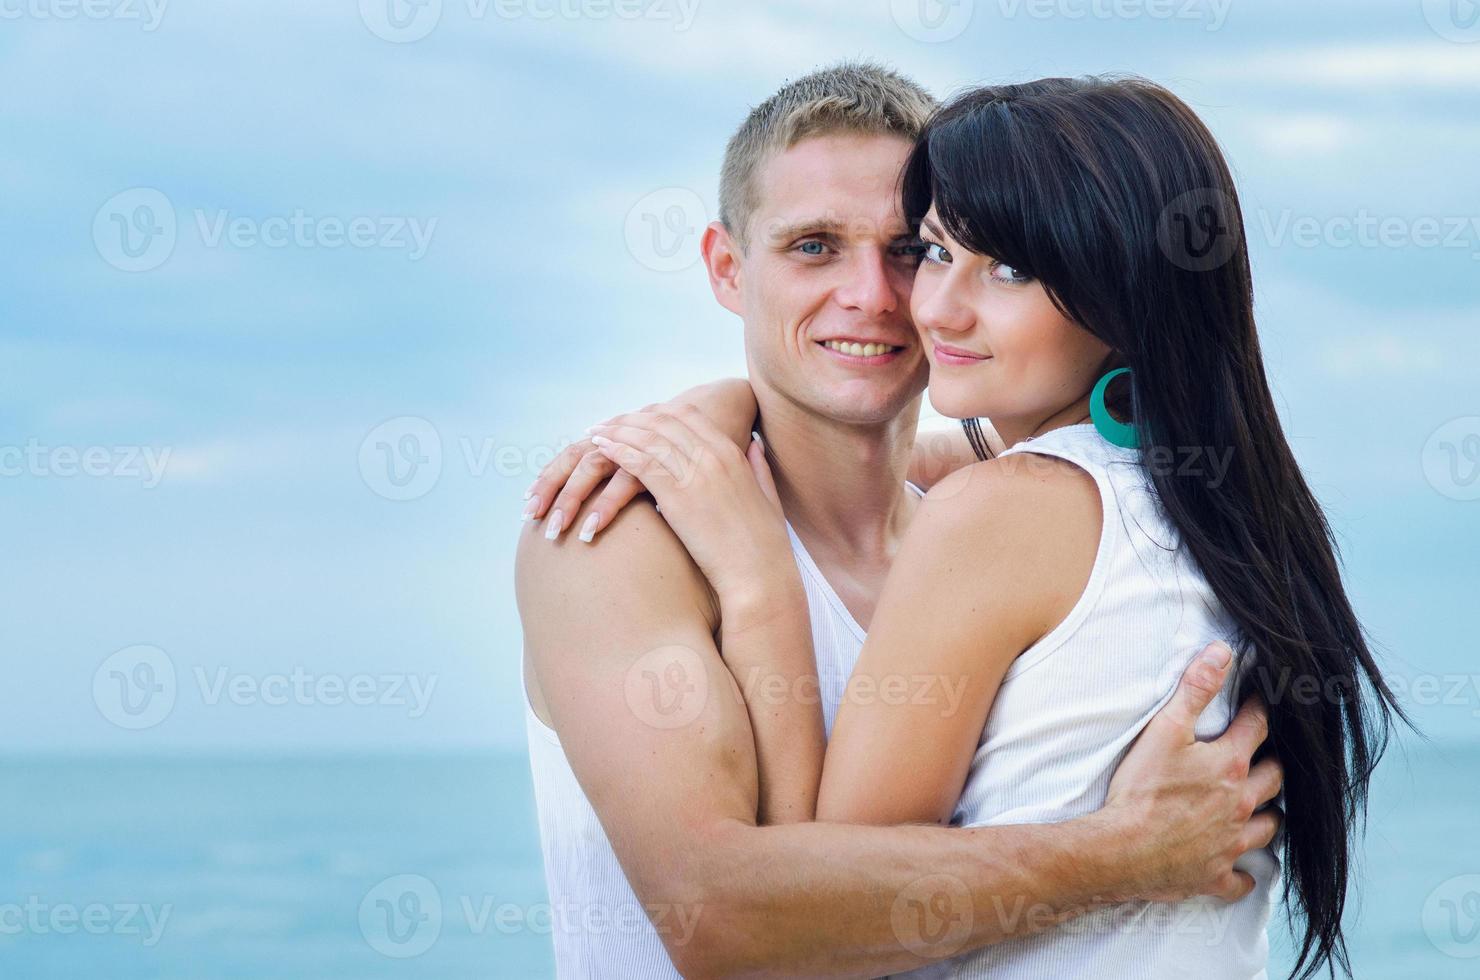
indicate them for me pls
(813, 248)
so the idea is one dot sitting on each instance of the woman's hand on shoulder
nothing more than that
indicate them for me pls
(568, 480)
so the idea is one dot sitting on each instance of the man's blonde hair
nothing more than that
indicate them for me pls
(852, 97)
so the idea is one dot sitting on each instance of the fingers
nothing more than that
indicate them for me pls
(1249, 728)
(665, 424)
(686, 426)
(653, 462)
(1233, 886)
(554, 476)
(1200, 684)
(622, 489)
(669, 459)
(1261, 829)
(1266, 780)
(593, 468)
(756, 456)
(707, 430)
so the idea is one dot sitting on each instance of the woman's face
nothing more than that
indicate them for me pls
(997, 346)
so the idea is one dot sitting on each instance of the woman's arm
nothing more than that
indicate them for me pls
(996, 556)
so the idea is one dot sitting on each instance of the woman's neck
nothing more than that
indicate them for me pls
(1015, 430)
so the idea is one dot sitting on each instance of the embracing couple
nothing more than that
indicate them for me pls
(833, 702)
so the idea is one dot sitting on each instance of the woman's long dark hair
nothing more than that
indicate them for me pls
(1114, 195)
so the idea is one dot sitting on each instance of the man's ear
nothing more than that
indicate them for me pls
(723, 259)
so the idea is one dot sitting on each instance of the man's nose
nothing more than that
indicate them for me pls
(870, 288)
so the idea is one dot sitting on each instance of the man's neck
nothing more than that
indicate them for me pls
(840, 482)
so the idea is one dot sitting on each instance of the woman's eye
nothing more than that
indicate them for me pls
(1007, 273)
(935, 253)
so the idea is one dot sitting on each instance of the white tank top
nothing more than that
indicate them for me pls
(597, 923)
(1069, 708)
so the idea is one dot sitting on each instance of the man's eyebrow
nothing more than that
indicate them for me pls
(781, 233)
(805, 226)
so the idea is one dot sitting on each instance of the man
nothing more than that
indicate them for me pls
(642, 744)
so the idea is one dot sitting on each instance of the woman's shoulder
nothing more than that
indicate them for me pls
(1024, 529)
(1026, 507)
(1022, 483)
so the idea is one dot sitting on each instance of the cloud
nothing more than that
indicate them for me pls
(1382, 355)
(1384, 65)
(1299, 133)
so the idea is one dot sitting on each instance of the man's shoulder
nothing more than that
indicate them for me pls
(636, 559)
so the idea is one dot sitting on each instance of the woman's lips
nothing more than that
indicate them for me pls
(945, 354)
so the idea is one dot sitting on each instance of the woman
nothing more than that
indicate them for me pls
(1084, 284)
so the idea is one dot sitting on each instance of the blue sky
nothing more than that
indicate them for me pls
(451, 238)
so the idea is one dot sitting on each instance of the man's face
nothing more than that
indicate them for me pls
(824, 286)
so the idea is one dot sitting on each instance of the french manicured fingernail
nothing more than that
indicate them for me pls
(530, 508)
(552, 525)
(601, 440)
(529, 492)
(757, 437)
(588, 529)
(591, 429)
(1217, 655)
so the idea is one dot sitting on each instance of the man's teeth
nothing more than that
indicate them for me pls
(858, 350)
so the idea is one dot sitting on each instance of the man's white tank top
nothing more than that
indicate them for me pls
(1067, 711)
(598, 925)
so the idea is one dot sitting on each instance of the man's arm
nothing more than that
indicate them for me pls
(619, 637)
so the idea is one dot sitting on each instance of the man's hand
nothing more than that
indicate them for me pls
(1189, 809)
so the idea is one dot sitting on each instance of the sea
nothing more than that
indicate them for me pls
(355, 868)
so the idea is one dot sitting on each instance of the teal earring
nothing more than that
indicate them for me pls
(1115, 432)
